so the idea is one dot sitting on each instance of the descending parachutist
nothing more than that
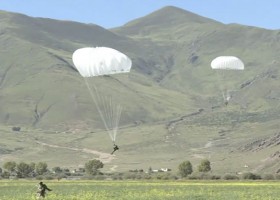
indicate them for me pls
(115, 149)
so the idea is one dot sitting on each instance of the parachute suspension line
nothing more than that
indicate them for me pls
(106, 111)
(221, 82)
(113, 113)
(98, 108)
(226, 92)
(109, 111)
(117, 120)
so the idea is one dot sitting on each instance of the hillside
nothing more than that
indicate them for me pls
(173, 107)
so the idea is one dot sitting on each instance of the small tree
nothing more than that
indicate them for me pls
(204, 166)
(92, 166)
(16, 128)
(10, 166)
(32, 166)
(23, 170)
(5, 174)
(185, 168)
(41, 168)
(57, 170)
(150, 170)
(251, 176)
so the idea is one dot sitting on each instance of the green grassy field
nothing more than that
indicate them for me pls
(138, 190)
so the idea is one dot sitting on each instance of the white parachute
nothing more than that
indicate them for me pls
(226, 68)
(100, 61)
(92, 62)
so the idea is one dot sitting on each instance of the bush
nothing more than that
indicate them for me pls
(129, 175)
(87, 177)
(99, 177)
(60, 176)
(159, 177)
(268, 177)
(230, 177)
(193, 177)
(166, 176)
(277, 176)
(49, 177)
(147, 176)
(203, 176)
(39, 177)
(5, 174)
(16, 128)
(117, 176)
(251, 176)
(215, 177)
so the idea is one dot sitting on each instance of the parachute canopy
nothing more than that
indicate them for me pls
(226, 68)
(99, 61)
(227, 63)
(93, 62)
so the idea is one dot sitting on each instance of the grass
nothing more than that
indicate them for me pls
(146, 190)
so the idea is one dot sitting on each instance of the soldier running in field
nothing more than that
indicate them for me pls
(42, 190)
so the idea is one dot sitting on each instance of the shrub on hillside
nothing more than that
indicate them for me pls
(251, 176)
(39, 177)
(99, 177)
(230, 177)
(277, 177)
(268, 177)
(147, 176)
(49, 177)
(16, 128)
(117, 176)
(166, 176)
(203, 176)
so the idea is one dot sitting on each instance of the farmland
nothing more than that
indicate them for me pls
(146, 190)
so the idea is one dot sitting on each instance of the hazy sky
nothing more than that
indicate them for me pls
(113, 13)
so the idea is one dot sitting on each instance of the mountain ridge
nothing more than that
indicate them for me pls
(165, 18)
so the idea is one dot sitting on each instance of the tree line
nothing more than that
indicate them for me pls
(40, 169)
(91, 170)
